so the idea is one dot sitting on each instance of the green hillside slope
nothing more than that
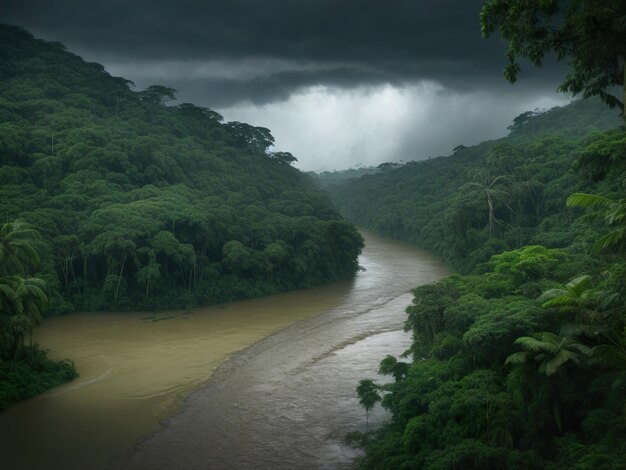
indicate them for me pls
(521, 363)
(494, 196)
(143, 205)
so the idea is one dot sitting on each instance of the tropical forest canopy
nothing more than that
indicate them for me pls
(144, 205)
(519, 362)
(497, 195)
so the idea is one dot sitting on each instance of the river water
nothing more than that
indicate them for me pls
(269, 383)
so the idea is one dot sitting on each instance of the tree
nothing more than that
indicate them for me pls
(590, 34)
(17, 253)
(157, 94)
(612, 212)
(576, 295)
(284, 158)
(391, 366)
(22, 300)
(149, 274)
(490, 189)
(368, 397)
(258, 138)
(66, 248)
(31, 301)
(550, 351)
(140, 196)
(199, 112)
(118, 247)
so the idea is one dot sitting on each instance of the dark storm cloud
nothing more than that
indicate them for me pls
(325, 30)
(342, 43)
(261, 88)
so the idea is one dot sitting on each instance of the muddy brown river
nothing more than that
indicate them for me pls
(258, 384)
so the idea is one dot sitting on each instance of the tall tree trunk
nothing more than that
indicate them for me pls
(119, 280)
(491, 215)
(84, 274)
(63, 262)
(74, 278)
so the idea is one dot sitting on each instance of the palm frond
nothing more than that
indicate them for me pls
(550, 366)
(536, 345)
(587, 200)
(610, 239)
(559, 302)
(580, 283)
(517, 358)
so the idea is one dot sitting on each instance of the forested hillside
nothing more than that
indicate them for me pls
(327, 178)
(520, 363)
(144, 205)
(497, 195)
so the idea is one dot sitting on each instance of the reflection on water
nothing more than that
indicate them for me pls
(285, 402)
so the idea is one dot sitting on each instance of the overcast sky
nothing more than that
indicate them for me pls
(340, 83)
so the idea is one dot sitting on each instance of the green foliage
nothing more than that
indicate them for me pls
(522, 363)
(368, 396)
(495, 196)
(549, 350)
(22, 299)
(31, 375)
(24, 370)
(391, 366)
(590, 35)
(146, 206)
(528, 263)
(485, 390)
(613, 214)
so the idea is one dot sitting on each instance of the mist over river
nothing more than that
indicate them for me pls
(270, 382)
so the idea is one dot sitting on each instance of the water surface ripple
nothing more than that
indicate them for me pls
(287, 401)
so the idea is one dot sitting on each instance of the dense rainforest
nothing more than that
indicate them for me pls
(496, 195)
(143, 205)
(520, 360)
(124, 201)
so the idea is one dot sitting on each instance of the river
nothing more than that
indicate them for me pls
(263, 383)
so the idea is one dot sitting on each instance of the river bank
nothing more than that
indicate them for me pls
(288, 401)
(137, 368)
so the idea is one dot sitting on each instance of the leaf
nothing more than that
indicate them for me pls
(559, 302)
(586, 200)
(611, 238)
(552, 365)
(517, 358)
(580, 282)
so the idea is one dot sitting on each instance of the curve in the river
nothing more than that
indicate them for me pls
(287, 401)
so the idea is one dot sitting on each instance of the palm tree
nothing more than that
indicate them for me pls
(33, 299)
(22, 300)
(17, 254)
(487, 187)
(611, 211)
(550, 351)
(577, 297)
(368, 397)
